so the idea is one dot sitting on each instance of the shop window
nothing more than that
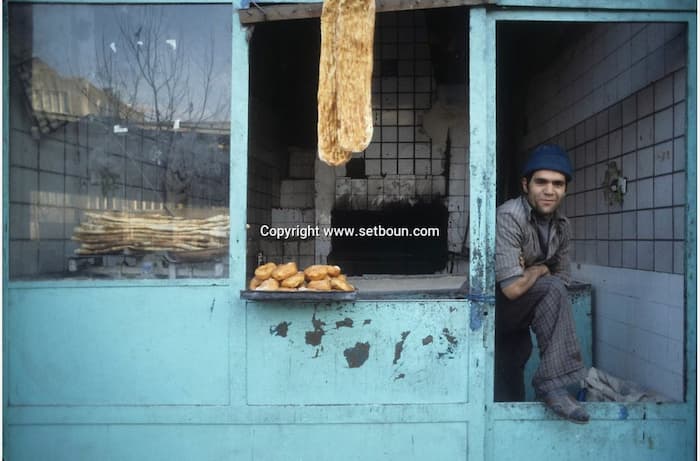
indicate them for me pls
(411, 178)
(119, 141)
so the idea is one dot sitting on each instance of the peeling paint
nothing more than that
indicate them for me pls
(356, 356)
(398, 348)
(346, 322)
(400, 376)
(313, 338)
(427, 340)
(449, 337)
(281, 329)
(318, 351)
(452, 344)
(367, 322)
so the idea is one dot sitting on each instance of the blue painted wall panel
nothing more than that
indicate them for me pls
(603, 440)
(381, 442)
(356, 442)
(128, 442)
(365, 352)
(118, 346)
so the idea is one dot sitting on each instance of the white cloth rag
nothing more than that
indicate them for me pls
(603, 387)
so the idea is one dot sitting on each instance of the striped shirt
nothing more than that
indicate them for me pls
(517, 236)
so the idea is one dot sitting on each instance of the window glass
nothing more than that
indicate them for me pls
(119, 140)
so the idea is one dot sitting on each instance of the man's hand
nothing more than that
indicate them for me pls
(525, 282)
(540, 269)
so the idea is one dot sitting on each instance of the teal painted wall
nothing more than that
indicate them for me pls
(152, 371)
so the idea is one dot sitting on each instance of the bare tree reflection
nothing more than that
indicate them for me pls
(164, 88)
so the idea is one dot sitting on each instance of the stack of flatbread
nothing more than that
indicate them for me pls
(105, 233)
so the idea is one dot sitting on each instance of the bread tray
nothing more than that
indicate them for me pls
(306, 295)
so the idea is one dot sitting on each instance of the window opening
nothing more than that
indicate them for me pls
(411, 179)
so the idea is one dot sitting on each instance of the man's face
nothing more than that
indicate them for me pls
(545, 191)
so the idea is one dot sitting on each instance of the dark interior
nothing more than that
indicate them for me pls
(391, 255)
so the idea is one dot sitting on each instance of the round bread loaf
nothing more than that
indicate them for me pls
(294, 281)
(338, 284)
(269, 285)
(265, 271)
(284, 270)
(254, 283)
(319, 285)
(316, 272)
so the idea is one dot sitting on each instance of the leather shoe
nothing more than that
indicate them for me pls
(564, 405)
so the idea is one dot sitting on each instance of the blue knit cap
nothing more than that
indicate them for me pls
(548, 157)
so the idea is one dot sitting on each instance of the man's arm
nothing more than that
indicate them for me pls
(511, 275)
(561, 266)
(520, 285)
(509, 243)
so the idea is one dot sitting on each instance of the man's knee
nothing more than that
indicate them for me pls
(552, 285)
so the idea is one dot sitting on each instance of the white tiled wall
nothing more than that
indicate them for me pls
(618, 94)
(607, 65)
(649, 222)
(638, 325)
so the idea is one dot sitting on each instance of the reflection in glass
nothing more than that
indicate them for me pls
(119, 140)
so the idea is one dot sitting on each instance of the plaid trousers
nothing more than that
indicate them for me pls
(545, 308)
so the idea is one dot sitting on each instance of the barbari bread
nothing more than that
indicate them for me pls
(329, 150)
(354, 45)
(284, 270)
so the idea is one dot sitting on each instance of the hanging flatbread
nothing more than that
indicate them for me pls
(328, 126)
(354, 44)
